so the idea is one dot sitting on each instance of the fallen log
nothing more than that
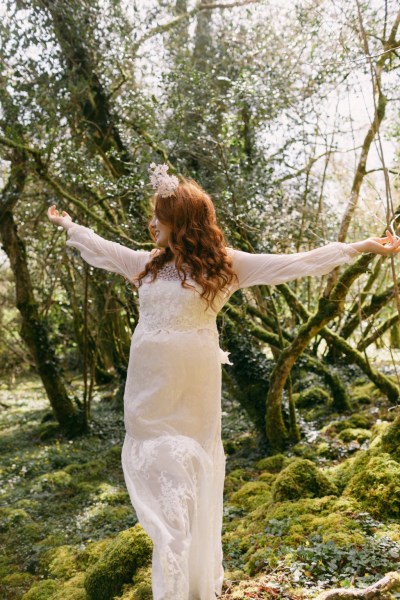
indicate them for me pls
(379, 590)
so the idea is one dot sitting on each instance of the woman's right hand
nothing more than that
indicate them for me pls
(64, 219)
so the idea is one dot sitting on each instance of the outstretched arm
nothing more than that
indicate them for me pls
(97, 251)
(273, 269)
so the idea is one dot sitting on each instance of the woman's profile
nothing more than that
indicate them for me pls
(172, 457)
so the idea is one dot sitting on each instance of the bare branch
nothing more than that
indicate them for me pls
(375, 591)
(188, 15)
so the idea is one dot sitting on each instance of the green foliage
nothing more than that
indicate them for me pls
(327, 563)
(301, 479)
(129, 551)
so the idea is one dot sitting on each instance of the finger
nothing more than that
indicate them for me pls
(389, 235)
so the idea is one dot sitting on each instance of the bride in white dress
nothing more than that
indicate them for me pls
(172, 457)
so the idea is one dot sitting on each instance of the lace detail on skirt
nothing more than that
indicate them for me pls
(180, 507)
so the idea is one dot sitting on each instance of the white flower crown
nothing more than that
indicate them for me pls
(162, 182)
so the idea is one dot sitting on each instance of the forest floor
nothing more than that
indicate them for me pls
(323, 515)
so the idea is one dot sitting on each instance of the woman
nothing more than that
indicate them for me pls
(172, 458)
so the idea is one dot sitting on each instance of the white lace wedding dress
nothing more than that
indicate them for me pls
(172, 458)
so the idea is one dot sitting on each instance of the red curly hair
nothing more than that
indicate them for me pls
(195, 240)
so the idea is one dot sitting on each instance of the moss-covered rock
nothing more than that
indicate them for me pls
(42, 590)
(342, 473)
(103, 516)
(360, 421)
(52, 481)
(354, 434)
(251, 495)
(235, 479)
(88, 471)
(267, 477)
(312, 396)
(141, 588)
(11, 517)
(60, 562)
(273, 464)
(73, 589)
(92, 553)
(301, 479)
(326, 450)
(391, 439)
(377, 486)
(14, 584)
(112, 494)
(305, 450)
(355, 421)
(129, 551)
(266, 535)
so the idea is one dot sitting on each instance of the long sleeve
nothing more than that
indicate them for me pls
(272, 269)
(104, 254)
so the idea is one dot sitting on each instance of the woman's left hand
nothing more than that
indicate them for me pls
(384, 245)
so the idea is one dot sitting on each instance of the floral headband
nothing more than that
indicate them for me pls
(162, 182)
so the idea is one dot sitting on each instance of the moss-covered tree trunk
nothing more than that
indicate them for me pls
(34, 330)
(328, 309)
(335, 292)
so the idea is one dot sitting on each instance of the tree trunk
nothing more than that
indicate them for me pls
(34, 332)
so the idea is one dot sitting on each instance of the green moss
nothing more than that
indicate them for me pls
(342, 473)
(273, 464)
(88, 471)
(301, 479)
(391, 439)
(73, 589)
(378, 487)
(27, 504)
(130, 550)
(360, 421)
(112, 494)
(60, 562)
(92, 553)
(268, 478)
(314, 395)
(141, 589)
(251, 495)
(12, 517)
(365, 394)
(104, 516)
(235, 479)
(351, 434)
(52, 481)
(265, 536)
(43, 590)
(304, 450)
(326, 450)
(356, 421)
(14, 584)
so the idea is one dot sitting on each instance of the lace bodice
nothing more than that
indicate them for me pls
(168, 272)
(165, 304)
